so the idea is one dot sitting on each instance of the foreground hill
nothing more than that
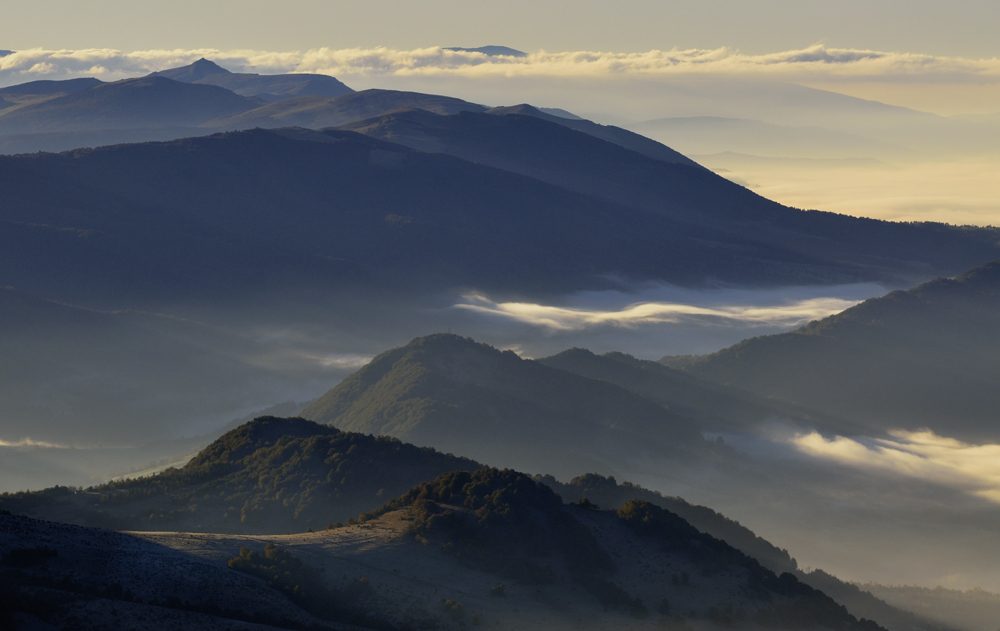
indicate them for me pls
(266, 87)
(276, 475)
(457, 395)
(270, 475)
(926, 357)
(490, 548)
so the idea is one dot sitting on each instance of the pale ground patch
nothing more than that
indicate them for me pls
(413, 579)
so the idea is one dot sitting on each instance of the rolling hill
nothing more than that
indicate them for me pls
(923, 358)
(275, 475)
(457, 395)
(715, 407)
(271, 475)
(47, 87)
(506, 553)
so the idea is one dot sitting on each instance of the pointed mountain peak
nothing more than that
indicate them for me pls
(193, 72)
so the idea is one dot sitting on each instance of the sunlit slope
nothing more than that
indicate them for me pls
(640, 562)
(320, 474)
(457, 395)
(923, 358)
(717, 210)
(279, 475)
(490, 548)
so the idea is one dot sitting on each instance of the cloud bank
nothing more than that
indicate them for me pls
(790, 314)
(817, 62)
(973, 469)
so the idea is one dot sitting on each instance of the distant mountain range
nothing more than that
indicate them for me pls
(503, 51)
(923, 358)
(259, 212)
(45, 87)
(648, 176)
(683, 224)
(133, 103)
(266, 87)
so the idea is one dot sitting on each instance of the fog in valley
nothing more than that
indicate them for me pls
(288, 287)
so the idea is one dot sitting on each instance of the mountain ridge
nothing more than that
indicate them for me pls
(451, 393)
(269, 87)
(144, 102)
(920, 358)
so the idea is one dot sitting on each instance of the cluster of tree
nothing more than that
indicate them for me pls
(611, 494)
(503, 521)
(800, 605)
(269, 475)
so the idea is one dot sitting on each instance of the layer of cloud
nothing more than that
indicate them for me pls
(814, 63)
(28, 442)
(790, 314)
(974, 469)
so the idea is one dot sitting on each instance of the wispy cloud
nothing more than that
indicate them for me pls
(790, 314)
(974, 469)
(813, 63)
(27, 442)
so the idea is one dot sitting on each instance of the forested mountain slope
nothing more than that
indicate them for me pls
(457, 395)
(913, 359)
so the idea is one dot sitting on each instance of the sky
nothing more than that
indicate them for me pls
(961, 27)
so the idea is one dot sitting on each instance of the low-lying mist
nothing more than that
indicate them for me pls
(653, 320)
(101, 381)
(903, 510)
